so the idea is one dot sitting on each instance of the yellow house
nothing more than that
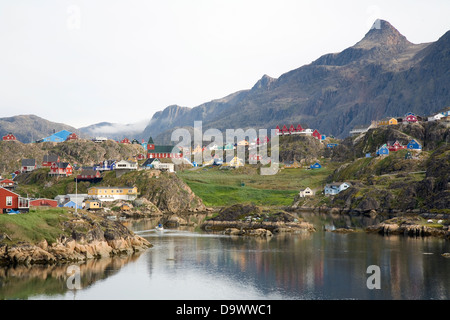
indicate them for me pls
(113, 193)
(387, 122)
(92, 204)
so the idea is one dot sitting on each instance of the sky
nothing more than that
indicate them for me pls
(82, 62)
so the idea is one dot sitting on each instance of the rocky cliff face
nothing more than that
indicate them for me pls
(88, 239)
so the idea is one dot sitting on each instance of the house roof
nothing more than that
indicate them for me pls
(88, 172)
(62, 165)
(149, 161)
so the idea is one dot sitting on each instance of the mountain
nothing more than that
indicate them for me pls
(29, 128)
(382, 75)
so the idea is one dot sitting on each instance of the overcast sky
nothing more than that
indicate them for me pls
(82, 62)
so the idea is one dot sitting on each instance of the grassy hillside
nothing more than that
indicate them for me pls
(218, 187)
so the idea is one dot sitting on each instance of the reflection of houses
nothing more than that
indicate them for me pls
(112, 193)
(336, 187)
(307, 192)
(11, 201)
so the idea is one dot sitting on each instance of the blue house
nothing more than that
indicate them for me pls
(383, 150)
(336, 187)
(315, 166)
(60, 136)
(70, 204)
(331, 145)
(414, 145)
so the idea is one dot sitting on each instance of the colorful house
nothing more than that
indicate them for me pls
(387, 122)
(49, 159)
(61, 169)
(9, 137)
(92, 204)
(112, 193)
(89, 175)
(315, 166)
(59, 136)
(8, 184)
(395, 145)
(413, 145)
(336, 187)
(316, 134)
(71, 204)
(126, 141)
(28, 165)
(43, 203)
(307, 192)
(383, 150)
(154, 151)
(236, 162)
(12, 201)
(72, 136)
(410, 118)
(106, 165)
(331, 145)
(292, 164)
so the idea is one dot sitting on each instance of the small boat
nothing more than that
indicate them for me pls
(159, 227)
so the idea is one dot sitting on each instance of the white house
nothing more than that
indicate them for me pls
(307, 192)
(126, 165)
(165, 166)
(336, 187)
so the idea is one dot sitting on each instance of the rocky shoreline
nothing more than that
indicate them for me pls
(88, 239)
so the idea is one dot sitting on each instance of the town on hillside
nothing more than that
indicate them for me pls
(158, 157)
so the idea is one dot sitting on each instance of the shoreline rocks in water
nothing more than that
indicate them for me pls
(88, 239)
(251, 220)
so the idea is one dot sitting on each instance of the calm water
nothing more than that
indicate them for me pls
(183, 264)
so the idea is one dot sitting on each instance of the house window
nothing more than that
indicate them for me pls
(9, 201)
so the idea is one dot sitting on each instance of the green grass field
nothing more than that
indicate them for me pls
(245, 185)
(38, 224)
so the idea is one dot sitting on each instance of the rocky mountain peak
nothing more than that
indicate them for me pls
(382, 33)
(264, 83)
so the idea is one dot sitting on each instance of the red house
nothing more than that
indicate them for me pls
(12, 201)
(299, 128)
(285, 130)
(394, 146)
(411, 118)
(43, 203)
(9, 137)
(72, 136)
(89, 175)
(277, 130)
(316, 134)
(161, 151)
(49, 159)
(125, 140)
(291, 129)
(8, 184)
(61, 169)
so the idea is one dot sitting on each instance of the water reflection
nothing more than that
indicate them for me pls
(187, 264)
